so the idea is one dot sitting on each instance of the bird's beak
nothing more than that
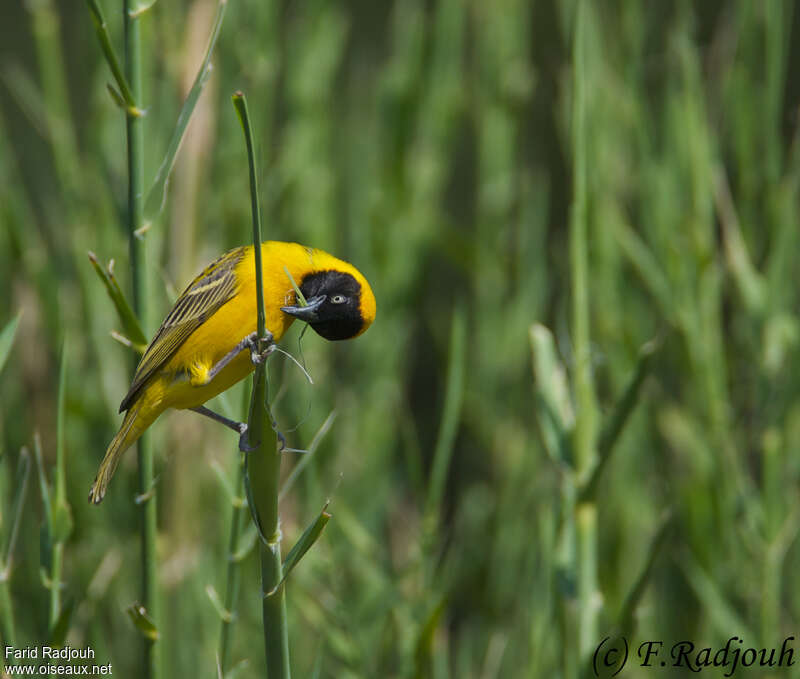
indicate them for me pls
(305, 313)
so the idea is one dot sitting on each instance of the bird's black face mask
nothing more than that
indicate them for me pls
(334, 304)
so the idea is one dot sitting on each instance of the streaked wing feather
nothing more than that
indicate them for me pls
(205, 294)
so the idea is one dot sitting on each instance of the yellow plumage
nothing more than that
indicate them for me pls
(214, 314)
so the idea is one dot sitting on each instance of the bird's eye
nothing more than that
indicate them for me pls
(338, 299)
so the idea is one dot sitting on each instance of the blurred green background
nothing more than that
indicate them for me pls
(431, 144)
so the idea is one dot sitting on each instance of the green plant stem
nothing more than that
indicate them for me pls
(584, 394)
(135, 133)
(8, 628)
(262, 468)
(233, 577)
(276, 630)
(584, 435)
(451, 413)
(445, 442)
(101, 28)
(60, 516)
(55, 583)
(156, 196)
(622, 411)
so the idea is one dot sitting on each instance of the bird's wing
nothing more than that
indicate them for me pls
(205, 294)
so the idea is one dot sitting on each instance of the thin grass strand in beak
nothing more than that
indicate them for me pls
(306, 313)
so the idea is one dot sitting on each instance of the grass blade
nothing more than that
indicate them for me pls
(157, 194)
(305, 459)
(635, 595)
(554, 407)
(451, 412)
(7, 620)
(619, 418)
(21, 486)
(142, 621)
(7, 339)
(61, 523)
(101, 28)
(307, 539)
(130, 323)
(233, 575)
(722, 613)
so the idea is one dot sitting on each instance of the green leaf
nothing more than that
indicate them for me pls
(316, 671)
(62, 522)
(156, 196)
(116, 96)
(246, 543)
(307, 539)
(628, 611)
(142, 621)
(224, 614)
(45, 550)
(424, 646)
(451, 412)
(722, 613)
(7, 338)
(554, 408)
(61, 525)
(61, 627)
(780, 337)
(101, 28)
(647, 266)
(237, 669)
(130, 323)
(619, 418)
(306, 459)
(226, 484)
(43, 486)
(752, 285)
(141, 8)
(21, 485)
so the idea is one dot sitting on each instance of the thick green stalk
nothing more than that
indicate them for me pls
(584, 435)
(263, 463)
(135, 133)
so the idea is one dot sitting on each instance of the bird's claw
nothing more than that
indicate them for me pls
(258, 355)
(244, 441)
(282, 440)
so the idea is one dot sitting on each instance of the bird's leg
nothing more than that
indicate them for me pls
(250, 342)
(239, 427)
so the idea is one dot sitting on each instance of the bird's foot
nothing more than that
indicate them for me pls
(260, 348)
(244, 441)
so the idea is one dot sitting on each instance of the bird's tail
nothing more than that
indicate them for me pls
(137, 419)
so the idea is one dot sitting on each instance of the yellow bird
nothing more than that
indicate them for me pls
(208, 341)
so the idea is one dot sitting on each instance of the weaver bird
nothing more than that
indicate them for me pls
(208, 340)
